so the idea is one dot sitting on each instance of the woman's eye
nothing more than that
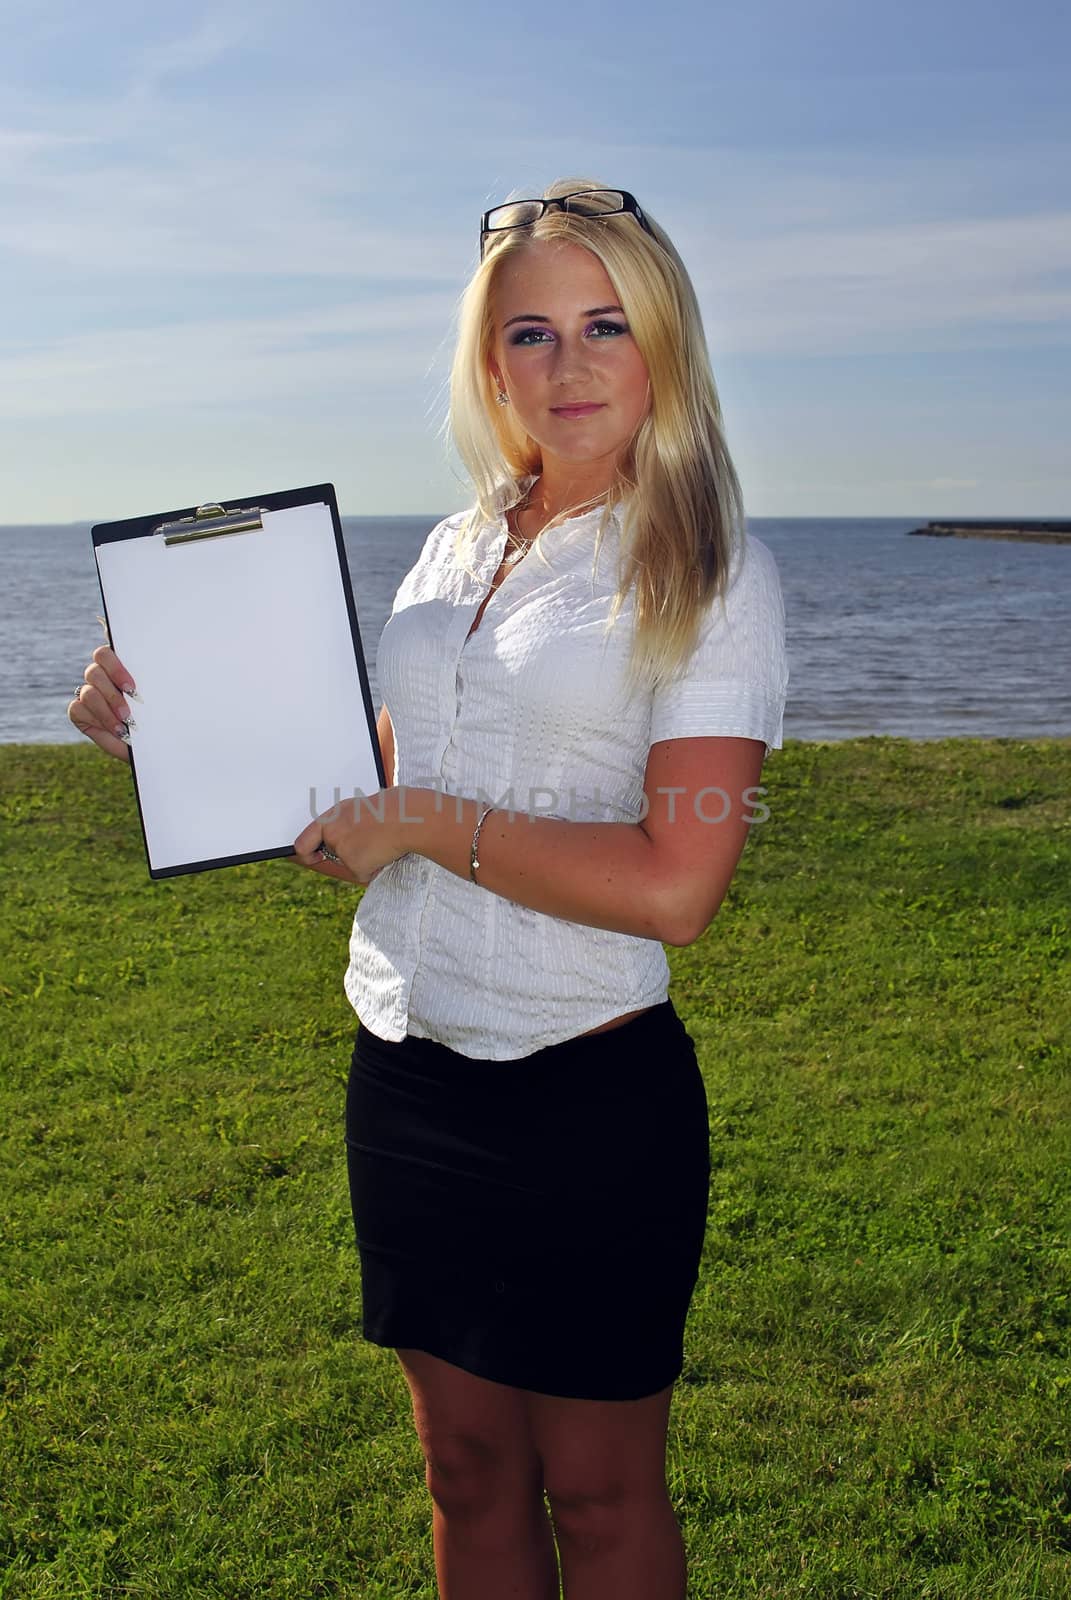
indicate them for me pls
(599, 330)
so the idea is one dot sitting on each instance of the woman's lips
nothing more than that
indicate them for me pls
(575, 411)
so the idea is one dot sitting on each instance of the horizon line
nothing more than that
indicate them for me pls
(766, 516)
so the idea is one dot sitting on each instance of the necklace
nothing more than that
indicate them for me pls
(523, 545)
(520, 543)
(522, 548)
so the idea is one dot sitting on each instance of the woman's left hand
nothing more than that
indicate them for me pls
(365, 832)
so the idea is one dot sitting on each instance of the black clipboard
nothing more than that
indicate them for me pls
(253, 711)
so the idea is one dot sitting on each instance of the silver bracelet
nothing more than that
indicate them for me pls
(473, 863)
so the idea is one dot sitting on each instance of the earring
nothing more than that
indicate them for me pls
(503, 398)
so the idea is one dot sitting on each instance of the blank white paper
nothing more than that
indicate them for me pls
(251, 719)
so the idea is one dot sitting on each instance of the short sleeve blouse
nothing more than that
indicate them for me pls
(533, 713)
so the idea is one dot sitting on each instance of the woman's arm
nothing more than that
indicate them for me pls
(663, 878)
(385, 730)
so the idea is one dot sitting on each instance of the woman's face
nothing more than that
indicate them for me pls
(564, 354)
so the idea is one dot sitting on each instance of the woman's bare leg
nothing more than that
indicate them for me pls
(604, 1463)
(490, 1526)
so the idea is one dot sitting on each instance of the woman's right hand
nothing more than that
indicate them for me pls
(99, 709)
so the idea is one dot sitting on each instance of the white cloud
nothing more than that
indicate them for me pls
(358, 351)
(214, 38)
(181, 214)
(21, 153)
(887, 287)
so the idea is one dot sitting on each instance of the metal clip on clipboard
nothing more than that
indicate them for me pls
(208, 522)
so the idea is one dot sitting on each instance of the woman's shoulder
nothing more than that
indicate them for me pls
(441, 555)
(752, 574)
(753, 556)
(450, 526)
(747, 614)
(444, 537)
(458, 525)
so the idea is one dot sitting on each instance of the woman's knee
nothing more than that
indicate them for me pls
(475, 1437)
(603, 1463)
(469, 1475)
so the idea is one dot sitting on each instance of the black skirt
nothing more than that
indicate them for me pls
(538, 1222)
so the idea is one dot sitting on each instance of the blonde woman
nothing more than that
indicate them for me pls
(582, 677)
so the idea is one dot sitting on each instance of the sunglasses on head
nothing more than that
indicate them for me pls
(582, 203)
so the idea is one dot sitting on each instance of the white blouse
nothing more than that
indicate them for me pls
(532, 713)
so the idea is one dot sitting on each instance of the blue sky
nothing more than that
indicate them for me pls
(232, 238)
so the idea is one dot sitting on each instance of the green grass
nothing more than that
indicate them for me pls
(877, 1391)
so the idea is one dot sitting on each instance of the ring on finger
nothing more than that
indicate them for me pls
(327, 853)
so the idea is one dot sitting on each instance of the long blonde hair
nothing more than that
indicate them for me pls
(682, 515)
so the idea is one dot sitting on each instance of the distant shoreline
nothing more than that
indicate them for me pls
(1047, 532)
